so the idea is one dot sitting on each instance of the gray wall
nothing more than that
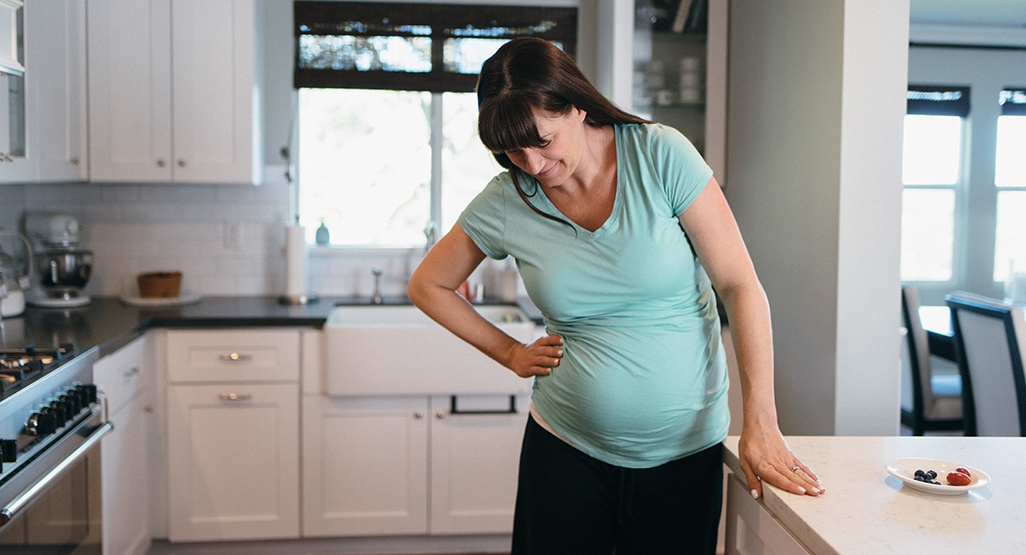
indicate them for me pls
(815, 108)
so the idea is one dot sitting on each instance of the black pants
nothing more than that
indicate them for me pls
(570, 503)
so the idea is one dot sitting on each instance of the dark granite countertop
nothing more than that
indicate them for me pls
(108, 324)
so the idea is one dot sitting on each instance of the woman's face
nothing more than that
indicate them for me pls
(563, 145)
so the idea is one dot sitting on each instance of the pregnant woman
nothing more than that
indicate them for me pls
(621, 235)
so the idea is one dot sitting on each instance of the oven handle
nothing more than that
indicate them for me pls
(21, 502)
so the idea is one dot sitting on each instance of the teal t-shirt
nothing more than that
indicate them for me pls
(643, 376)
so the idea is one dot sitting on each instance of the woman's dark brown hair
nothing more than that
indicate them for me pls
(528, 74)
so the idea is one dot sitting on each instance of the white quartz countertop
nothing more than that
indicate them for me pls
(866, 511)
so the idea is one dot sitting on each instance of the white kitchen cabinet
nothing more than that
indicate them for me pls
(475, 459)
(55, 44)
(173, 93)
(43, 113)
(376, 466)
(232, 435)
(365, 466)
(751, 529)
(126, 382)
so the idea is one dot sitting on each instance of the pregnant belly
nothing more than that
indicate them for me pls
(602, 400)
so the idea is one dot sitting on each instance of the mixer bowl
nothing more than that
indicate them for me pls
(64, 271)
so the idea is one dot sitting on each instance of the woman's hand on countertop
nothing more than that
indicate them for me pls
(765, 457)
(537, 358)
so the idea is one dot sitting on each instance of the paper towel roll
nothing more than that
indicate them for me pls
(295, 261)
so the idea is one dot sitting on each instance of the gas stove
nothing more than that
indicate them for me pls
(20, 367)
(44, 392)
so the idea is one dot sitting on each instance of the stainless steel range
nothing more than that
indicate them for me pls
(51, 422)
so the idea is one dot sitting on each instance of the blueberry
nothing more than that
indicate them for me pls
(919, 473)
(931, 474)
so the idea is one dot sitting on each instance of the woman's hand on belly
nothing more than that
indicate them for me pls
(537, 358)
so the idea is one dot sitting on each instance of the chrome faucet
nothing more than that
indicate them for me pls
(376, 297)
(430, 235)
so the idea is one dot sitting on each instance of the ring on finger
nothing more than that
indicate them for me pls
(794, 468)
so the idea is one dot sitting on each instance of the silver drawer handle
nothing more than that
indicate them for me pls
(134, 371)
(236, 357)
(236, 397)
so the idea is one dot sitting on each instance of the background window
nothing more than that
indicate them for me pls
(931, 173)
(388, 142)
(1010, 179)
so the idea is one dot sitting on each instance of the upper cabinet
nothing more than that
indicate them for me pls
(679, 73)
(173, 94)
(43, 111)
(56, 49)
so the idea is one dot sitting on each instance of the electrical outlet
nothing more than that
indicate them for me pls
(231, 236)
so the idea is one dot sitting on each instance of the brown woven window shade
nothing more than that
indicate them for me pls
(415, 47)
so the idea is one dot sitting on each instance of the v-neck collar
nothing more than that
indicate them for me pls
(614, 215)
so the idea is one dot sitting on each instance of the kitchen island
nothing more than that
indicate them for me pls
(866, 511)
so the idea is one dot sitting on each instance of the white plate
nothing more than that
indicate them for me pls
(160, 301)
(905, 470)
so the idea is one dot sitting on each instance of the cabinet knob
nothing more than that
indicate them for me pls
(131, 372)
(160, 162)
(440, 414)
(74, 160)
(418, 415)
(148, 409)
(236, 397)
(236, 357)
(181, 163)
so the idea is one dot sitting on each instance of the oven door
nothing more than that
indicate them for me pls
(52, 505)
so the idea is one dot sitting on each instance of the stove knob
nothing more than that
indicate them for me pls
(36, 424)
(86, 393)
(58, 410)
(70, 397)
(8, 450)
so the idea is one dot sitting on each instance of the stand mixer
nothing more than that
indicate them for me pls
(63, 268)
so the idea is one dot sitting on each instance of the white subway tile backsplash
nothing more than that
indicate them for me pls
(135, 228)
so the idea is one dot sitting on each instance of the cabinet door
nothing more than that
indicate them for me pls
(364, 466)
(475, 456)
(751, 528)
(129, 90)
(214, 91)
(126, 481)
(233, 462)
(56, 45)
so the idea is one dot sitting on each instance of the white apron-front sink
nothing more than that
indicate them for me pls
(398, 350)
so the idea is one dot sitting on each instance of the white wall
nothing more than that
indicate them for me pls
(815, 107)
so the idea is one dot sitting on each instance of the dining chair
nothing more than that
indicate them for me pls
(990, 336)
(935, 403)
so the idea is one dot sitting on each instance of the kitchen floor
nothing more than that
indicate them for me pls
(347, 546)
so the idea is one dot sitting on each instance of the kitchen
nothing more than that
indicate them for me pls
(230, 236)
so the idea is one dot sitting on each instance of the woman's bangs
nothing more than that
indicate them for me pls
(505, 124)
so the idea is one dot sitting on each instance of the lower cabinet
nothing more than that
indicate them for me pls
(234, 452)
(753, 529)
(124, 465)
(410, 465)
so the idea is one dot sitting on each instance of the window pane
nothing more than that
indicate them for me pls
(932, 150)
(381, 53)
(1010, 168)
(466, 165)
(365, 165)
(927, 234)
(468, 55)
(1010, 239)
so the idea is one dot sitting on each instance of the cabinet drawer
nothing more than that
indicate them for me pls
(120, 375)
(233, 356)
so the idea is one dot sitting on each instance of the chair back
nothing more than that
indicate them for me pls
(918, 351)
(990, 336)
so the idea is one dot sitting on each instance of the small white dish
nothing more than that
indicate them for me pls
(160, 301)
(905, 470)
